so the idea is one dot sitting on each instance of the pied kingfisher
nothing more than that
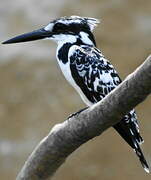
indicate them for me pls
(86, 69)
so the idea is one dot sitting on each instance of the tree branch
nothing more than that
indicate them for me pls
(66, 137)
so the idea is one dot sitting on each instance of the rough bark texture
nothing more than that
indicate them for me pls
(66, 137)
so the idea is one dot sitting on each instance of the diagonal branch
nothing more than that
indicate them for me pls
(66, 137)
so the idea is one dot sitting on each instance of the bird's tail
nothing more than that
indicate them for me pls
(133, 139)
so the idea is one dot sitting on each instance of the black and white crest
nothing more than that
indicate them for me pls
(77, 22)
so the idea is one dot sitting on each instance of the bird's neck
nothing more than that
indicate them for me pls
(62, 52)
(66, 41)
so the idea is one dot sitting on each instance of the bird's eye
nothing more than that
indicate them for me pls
(59, 26)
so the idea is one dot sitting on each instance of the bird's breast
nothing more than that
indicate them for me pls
(65, 68)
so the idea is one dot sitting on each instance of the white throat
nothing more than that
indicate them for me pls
(63, 39)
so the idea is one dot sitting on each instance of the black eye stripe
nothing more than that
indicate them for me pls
(73, 27)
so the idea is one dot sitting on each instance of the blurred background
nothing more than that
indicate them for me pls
(34, 95)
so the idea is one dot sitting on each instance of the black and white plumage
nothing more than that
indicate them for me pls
(86, 69)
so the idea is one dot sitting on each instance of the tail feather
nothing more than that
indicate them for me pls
(133, 138)
(141, 157)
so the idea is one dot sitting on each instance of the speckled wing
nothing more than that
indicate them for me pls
(93, 73)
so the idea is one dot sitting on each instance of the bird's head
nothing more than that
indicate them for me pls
(62, 29)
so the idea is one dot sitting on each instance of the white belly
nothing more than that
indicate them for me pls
(65, 68)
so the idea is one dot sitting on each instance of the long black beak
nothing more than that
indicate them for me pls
(31, 36)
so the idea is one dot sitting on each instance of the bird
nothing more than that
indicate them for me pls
(86, 68)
